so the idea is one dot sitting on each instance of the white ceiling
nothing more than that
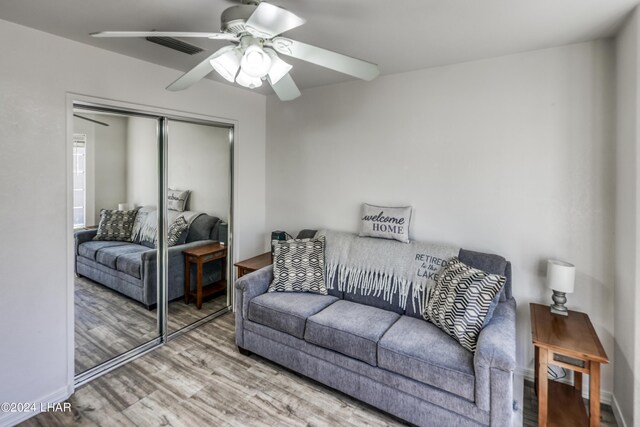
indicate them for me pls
(398, 35)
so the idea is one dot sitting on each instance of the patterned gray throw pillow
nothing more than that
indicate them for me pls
(177, 199)
(460, 301)
(298, 266)
(385, 222)
(177, 233)
(115, 225)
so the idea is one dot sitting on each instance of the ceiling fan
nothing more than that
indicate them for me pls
(254, 28)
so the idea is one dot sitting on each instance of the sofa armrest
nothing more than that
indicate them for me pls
(82, 236)
(496, 346)
(174, 251)
(245, 289)
(494, 363)
(250, 286)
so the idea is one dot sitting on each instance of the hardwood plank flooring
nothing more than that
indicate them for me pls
(108, 323)
(200, 379)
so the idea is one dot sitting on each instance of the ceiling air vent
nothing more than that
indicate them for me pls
(175, 44)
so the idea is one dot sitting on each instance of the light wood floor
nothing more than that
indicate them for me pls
(108, 324)
(199, 379)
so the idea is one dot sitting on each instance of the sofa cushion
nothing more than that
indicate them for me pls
(201, 228)
(131, 264)
(89, 249)
(109, 256)
(350, 328)
(419, 350)
(378, 301)
(287, 312)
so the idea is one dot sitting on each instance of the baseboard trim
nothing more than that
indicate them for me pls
(606, 397)
(9, 419)
(617, 413)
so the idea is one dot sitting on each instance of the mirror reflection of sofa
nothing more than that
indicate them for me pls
(129, 267)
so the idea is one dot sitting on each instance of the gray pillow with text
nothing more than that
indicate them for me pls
(385, 222)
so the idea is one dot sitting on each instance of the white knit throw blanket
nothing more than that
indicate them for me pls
(383, 268)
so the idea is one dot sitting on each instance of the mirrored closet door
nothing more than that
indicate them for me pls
(152, 204)
(115, 217)
(198, 212)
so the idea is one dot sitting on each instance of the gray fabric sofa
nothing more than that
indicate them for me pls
(389, 358)
(130, 268)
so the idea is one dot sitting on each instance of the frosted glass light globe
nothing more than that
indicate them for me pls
(255, 62)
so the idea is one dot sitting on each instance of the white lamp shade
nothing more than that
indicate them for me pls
(245, 80)
(227, 62)
(255, 62)
(561, 276)
(279, 68)
(123, 206)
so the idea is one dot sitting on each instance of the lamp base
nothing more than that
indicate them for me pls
(559, 300)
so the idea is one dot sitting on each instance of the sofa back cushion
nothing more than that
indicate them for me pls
(375, 301)
(492, 264)
(201, 228)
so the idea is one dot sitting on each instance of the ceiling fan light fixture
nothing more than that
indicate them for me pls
(227, 63)
(278, 69)
(248, 81)
(255, 61)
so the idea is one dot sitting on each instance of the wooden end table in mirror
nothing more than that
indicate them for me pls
(199, 256)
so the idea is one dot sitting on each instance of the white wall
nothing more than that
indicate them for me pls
(38, 70)
(627, 346)
(110, 163)
(511, 155)
(199, 161)
(142, 162)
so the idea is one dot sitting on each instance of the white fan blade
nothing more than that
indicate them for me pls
(285, 88)
(218, 36)
(194, 75)
(325, 58)
(268, 21)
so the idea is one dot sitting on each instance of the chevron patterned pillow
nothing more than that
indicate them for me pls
(115, 225)
(177, 233)
(460, 301)
(298, 266)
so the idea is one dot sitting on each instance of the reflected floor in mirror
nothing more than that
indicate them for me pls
(108, 324)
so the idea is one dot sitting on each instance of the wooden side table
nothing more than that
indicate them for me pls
(252, 264)
(569, 342)
(199, 256)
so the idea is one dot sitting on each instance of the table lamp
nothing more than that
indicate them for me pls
(560, 279)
